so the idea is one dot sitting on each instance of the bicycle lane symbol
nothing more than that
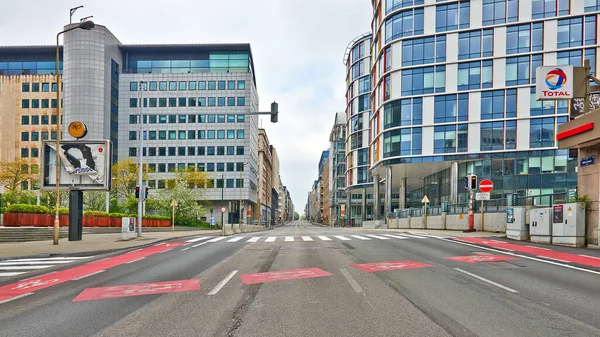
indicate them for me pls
(36, 283)
(140, 289)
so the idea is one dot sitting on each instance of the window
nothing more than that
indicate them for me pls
(590, 54)
(500, 11)
(191, 118)
(24, 104)
(24, 87)
(212, 118)
(212, 101)
(201, 101)
(152, 135)
(570, 33)
(133, 86)
(210, 134)
(55, 87)
(172, 101)
(444, 139)
(230, 150)
(24, 136)
(241, 118)
(230, 85)
(181, 150)
(451, 17)
(511, 103)
(542, 132)
(549, 8)
(35, 103)
(239, 150)
(423, 80)
(171, 151)
(510, 139)
(220, 167)
(24, 120)
(403, 24)
(518, 39)
(45, 103)
(536, 61)
(472, 45)
(45, 87)
(402, 113)
(220, 134)
(492, 136)
(192, 85)
(475, 75)
(153, 86)
(181, 134)
(230, 134)
(162, 102)
(172, 85)
(201, 151)
(172, 135)
(220, 118)
(517, 70)
(35, 87)
(162, 85)
(221, 101)
(240, 134)
(402, 142)
(388, 58)
(45, 135)
(241, 85)
(451, 108)
(390, 5)
(212, 85)
(591, 5)
(132, 135)
(540, 108)
(572, 57)
(230, 101)
(173, 119)
(182, 85)
(182, 102)
(35, 120)
(133, 102)
(152, 102)
(241, 101)
(201, 85)
(24, 152)
(230, 167)
(221, 85)
(230, 118)
(229, 183)
(417, 51)
(132, 151)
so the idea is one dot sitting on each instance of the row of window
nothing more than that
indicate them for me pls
(358, 51)
(33, 152)
(172, 119)
(201, 167)
(189, 85)
(39, 103)
(38, 120)
(189, 134)
(188, 151)
(403, 142)
(173, 102)
(421, 51)
(38, 87)
(35, 136)
(209, 183)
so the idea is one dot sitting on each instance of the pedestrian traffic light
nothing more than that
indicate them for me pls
(466, 180)
(274, 112)
(473, 182)
(146, 195)
(137, 192)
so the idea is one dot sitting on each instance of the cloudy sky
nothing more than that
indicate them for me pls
(298, 47)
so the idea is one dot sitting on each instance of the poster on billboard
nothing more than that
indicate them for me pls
(84, 165)
(554, 83)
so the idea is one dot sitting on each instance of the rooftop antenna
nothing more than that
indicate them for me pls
(72, 11)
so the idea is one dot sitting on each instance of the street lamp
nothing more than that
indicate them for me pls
(86, 25)
(222, 203)
(142, 196)
(241, 189)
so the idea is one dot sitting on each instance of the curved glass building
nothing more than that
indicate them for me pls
(454, 93)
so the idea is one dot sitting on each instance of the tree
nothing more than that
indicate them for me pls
(296, 216)
(187, 189)
(94, 201)
(13, 173)
(125, 178)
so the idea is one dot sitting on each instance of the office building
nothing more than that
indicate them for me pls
(337, 169)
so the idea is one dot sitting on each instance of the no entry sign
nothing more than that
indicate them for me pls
(486, 186)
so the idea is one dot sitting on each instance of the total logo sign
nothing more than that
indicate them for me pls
(554, 83)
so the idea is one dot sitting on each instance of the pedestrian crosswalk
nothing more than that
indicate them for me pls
(17, 267)
(305, 238)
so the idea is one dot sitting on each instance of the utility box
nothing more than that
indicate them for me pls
(540, 226)
(568, 225)
(516, 225)
(128, 228)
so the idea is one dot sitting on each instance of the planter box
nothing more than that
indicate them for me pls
(47, 220)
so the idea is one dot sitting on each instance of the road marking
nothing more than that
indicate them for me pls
(592, 257)
(271, 239)
(396, 236)
(219, 238)
(198, 239)
(82, 277)
(184, 249)
(523, 256)
(141, 258)
(379, 237)
(14, 298)
(324, 238)
(53, 258)
(307, 238)
(289, 238)
(236, 239)
(254, 239)
(222, 283)
(351, 280)
(414, 236)
(486, 280)
(341, 238)
(24, 267)
(200, 244)
(11, 263)
(553, 258)
(529, 246)
(360, 237)
(11, 274)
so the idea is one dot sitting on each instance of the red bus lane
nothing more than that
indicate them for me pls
(31, 285)
(137, 290)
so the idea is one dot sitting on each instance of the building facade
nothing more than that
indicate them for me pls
(337, 169)
(454, 93)
(277, 189)
(265, 178)
(324, 192)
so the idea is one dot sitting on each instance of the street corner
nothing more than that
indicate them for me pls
(283, 275)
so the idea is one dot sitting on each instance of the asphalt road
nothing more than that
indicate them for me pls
(425, 295)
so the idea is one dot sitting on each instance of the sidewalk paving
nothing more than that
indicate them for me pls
(436, 232)
(91, 243)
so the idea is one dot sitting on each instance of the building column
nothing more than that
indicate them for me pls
(376, 199)
(347, 212)
(363, 213)
(402, 194)
(454, 183)
(388, 191)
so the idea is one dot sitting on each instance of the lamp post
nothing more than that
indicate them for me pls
(241, 189)
(222, 204)
(142, 194)
(86, 25)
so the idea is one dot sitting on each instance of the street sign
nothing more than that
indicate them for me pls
(213, 221)
(586, 161)
(482, 196)
(223, 209)
(173, 203)
(486, 186)
(425, 200)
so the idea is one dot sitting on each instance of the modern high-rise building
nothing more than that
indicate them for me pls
(453, 94)
(337, 168)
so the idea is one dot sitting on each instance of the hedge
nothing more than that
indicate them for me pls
(99, 214)
(24, 208)
(35, 209)
(61, 211)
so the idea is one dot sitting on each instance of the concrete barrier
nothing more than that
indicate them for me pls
(374, 224)
(416, 222)
(493, 222)
(228, 229)
(436, 222)
(252, 228)
(236, 228)
(392, 224)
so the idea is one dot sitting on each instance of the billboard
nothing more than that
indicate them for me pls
(554, 83)
(84, 165)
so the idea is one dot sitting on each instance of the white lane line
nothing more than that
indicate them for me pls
(14, 298)
(414, 236)
(186, 248)
(12, 274)
(254, 239)
(198, 239)
(343, 238)
(396, 236)
(591, 257)
(271, 239)
(324, 238)
(24, 267)
(360, 237)
(200, 244)
(378, 237)
(351, 280)
(141, 258)
(486, 280)
(533, 247)
(11, 263)
(88, 275)
(218, 238)
(307, 238)
(523, 256)
(553, 258)
(236, 239)
(222, 283)
(54, 258)
(289, 238)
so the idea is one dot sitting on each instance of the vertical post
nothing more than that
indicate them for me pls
(240, 206)
(140, 166)
(107, 202)
(222, 205)
(37, 197)
(388, 192)
(482, 214)
(471, 215)
(454, 183)
(425, 216)
(376, 198)
(173, 217)
(58, 132)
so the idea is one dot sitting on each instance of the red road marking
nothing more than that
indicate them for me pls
(541, 252)
(141, 289)
(283, 275)
(33, 284)
(481, 258)
(388, 266)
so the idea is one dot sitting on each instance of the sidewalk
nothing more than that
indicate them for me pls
(91, 243)
(435, 232)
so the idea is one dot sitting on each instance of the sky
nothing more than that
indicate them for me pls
(298, 48)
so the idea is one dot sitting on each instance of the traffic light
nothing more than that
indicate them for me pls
(466, 180)
(274, 112)
(473, 182)
(137, 192)
(147, 189)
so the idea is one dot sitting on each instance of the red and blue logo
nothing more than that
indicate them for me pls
(556, 79)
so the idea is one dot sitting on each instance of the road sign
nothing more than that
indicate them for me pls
(213, 221)
(486, 186)
(425, 200)
(223, 209)
(482, 196)
(586, 161)
(283, 275)
(174, 203)
(387, 266)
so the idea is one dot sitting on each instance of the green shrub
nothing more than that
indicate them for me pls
(23, 208)
(156, 217)
(95, 214)
(189, 222)
(118, 215)
(61, 211)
